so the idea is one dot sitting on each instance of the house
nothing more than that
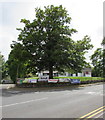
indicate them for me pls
(86, 72)
(45, 74)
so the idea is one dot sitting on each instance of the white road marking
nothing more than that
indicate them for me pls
(91, 93)
(24, 102)
(95, 93)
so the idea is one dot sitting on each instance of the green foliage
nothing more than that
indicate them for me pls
(83, 78)
(17, 63)
(104, 63)
(1, 62)
(3, 68)
(48, 41)
(97, 61)
(103, 41)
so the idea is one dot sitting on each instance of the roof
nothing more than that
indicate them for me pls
(87, 69)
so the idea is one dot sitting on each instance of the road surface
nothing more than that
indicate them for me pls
(67, 102)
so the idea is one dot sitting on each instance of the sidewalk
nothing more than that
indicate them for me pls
(7, 86)
(12, 87)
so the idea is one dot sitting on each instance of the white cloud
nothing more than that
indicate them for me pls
(5, 41)
(87, 18)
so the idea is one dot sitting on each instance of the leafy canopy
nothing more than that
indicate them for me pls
(98, 61)
(47, 40)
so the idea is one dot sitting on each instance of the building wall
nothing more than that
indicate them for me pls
(84, 74)
(66, 74)
(80, 75)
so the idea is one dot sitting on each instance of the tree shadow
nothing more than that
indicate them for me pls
(19, 91)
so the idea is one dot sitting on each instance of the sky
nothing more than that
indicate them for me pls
(87, 19)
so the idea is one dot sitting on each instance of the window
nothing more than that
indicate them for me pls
(45, 74)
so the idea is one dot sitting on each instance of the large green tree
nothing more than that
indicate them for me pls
(17, 64)
(1, 65)
(103, 44)
(98, 61)
(48, 41)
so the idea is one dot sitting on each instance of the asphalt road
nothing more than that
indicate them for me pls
(67, 102)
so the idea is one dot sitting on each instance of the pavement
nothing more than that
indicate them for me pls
(80, 101)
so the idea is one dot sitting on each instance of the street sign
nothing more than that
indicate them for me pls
(30, 81)
(75, 81)
(33, 80)
(53, 80)
(42, 80)
(64, 80)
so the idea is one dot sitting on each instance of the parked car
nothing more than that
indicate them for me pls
(6, 81)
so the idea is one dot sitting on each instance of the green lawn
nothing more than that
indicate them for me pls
(32, 78)
(83, 78)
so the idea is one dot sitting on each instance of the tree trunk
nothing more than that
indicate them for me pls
(50, 72)
(14, 82)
